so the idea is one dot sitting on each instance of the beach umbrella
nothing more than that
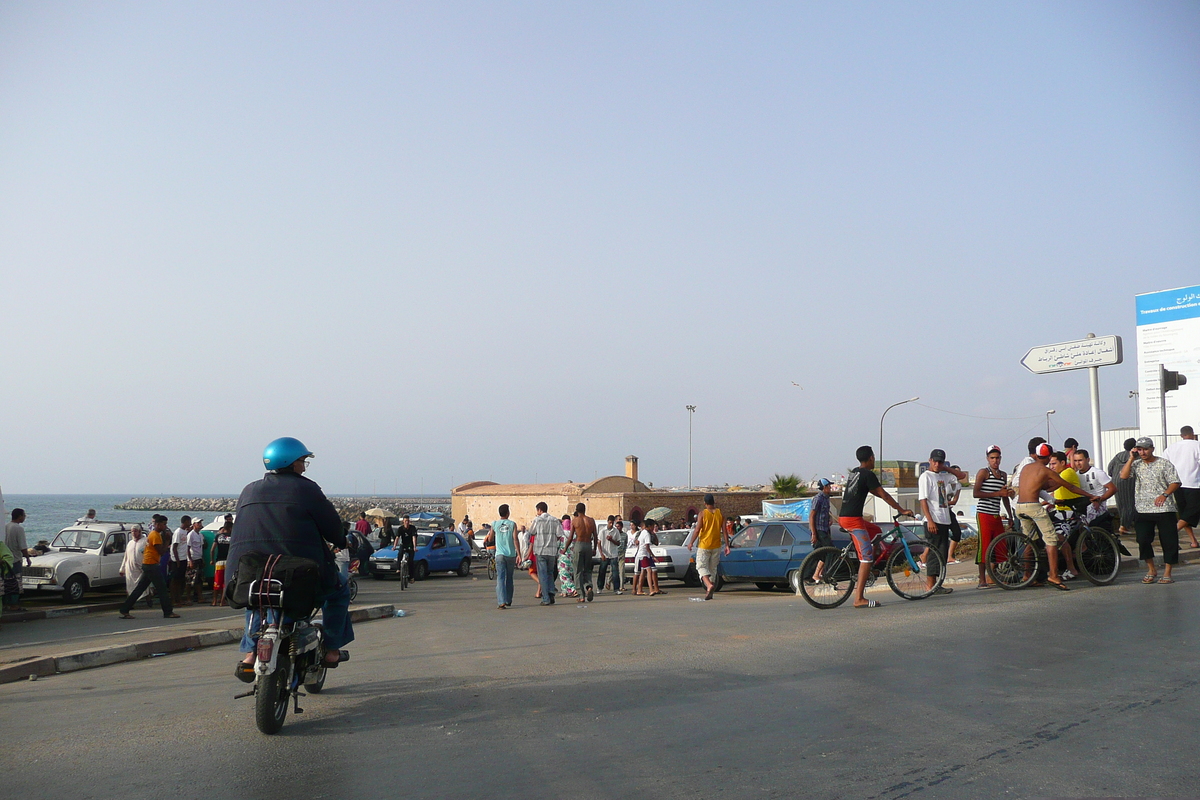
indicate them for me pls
(659, 514)
(378, 512)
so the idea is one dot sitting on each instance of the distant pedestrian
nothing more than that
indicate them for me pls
(646, 576)
(819, 520)
(362, 526)
(219, 554)
(709, 538)
(87, 518)
(406, 540)
(1184, 455)
(990, 491)
(1156, 481)
(1125, 499)
(612, 557)
(543, 548)
(14, 537)
(178, 570)
(156, 551)
(195, 557)
(131, 564)
(504, 533)
(386, 534)
(582, 539)
(935, 490)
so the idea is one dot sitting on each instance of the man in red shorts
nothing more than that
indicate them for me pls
(861, 482)
(991, 488)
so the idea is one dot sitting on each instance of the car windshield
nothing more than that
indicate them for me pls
(672, 537)
(423, 539)
(87, 539)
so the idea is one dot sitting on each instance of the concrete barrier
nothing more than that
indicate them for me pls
(21, 670)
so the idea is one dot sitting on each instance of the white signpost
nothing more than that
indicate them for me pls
(1090, 354)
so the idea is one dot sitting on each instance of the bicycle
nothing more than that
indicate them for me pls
(489, 558)
(907, 565)
(1014, 560)
(403, 568)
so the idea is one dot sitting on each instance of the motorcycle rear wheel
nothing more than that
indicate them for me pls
(271, 697)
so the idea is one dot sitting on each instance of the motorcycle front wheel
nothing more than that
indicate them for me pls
(271, 697)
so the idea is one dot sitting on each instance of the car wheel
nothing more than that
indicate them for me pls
(74, 588)
(464, 568)
(765, 586)
(692, 578)
(718, 582)
(422, 570)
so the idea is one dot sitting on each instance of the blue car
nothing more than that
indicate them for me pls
(438, 551)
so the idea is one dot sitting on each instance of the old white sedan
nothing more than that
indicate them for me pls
(81, 557)
(671, 558)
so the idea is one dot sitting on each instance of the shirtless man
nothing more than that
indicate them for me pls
(583, 534)
(1036, 478)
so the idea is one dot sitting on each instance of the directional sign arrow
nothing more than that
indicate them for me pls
(1102, 351)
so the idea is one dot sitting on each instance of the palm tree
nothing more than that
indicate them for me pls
(786, 485)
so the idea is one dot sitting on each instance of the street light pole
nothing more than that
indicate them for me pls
(691, 413)
(1048, 413)
(884, 414)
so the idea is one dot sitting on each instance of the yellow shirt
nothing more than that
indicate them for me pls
(708, 529)
(1062, 495)
(151, 556)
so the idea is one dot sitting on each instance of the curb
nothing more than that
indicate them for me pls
(41, 666)
(69, 611)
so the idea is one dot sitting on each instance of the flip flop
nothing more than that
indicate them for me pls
(1062, 587)
(126, 616)
(985, 586)
(871, 604)
(1150, 579)
(1166, 580)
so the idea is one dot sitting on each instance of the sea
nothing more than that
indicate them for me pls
(47, 514)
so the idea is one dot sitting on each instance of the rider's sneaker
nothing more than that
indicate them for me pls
(1067, 575)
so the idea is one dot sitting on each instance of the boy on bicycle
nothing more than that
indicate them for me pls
(861, 482)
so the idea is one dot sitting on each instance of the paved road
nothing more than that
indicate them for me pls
(1090, 693)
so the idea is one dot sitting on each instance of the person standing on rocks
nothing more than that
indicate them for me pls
(155, 552)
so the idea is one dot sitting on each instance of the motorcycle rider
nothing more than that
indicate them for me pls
(288, 514)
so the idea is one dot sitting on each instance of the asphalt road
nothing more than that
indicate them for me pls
(1037, 693)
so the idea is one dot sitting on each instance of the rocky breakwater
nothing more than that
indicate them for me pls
(347, 507)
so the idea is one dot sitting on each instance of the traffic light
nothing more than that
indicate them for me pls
(1170, 380)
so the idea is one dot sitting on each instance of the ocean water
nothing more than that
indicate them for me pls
(47, 514)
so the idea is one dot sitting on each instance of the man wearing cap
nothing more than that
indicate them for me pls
(1023, 463)
(819, 520)
(1185, 456)
(1036, 478)
(991, 488)
(935, 490)
(1156, 482)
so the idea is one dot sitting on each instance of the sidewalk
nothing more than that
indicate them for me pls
(31, 661)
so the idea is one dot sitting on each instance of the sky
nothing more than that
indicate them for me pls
(444, 242)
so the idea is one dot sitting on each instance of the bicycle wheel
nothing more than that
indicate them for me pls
(404, 573)
(1098, 556)
(491, 569)
(837, 578)
(1012, 560)
(915, 584)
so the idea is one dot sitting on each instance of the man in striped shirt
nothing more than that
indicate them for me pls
(991, 487)
(818, 522)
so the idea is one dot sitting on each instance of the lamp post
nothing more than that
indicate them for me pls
(691, 413)
(1048, 413)
(884, 414)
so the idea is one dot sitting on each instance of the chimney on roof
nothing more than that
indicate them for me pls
(631, 467)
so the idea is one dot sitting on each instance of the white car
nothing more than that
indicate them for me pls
(81, 557)
(671, 558)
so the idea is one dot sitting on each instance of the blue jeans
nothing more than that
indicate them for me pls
(335, 619)
(547, 572)
(505, 566)
(616, 569)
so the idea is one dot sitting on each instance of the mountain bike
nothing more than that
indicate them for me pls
(1015, 560)
(907, 566)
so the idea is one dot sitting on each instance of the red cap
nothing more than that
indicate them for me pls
(1043, 450)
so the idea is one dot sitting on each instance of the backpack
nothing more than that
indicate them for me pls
(301, 579)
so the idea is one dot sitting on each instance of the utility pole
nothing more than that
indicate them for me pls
(691, 413)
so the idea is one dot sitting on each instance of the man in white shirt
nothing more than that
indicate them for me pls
(179, 560)
(1185, 456)
(195, 559)
(935, 490)
(612, 558)
(1096, 481)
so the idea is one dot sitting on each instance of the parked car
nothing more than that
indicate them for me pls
(81, 557)
(672, 559)
(440, 551)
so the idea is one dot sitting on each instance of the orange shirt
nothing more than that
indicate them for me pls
(151, 555)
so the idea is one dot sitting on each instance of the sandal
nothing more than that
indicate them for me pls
(985, 586)
(1166, 580)
(1062, 587)
(126, 616)
(1150, 579)
(871, 604)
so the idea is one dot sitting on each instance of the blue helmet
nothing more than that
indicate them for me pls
(284, 452)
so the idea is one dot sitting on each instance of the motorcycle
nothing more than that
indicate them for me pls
(290, 654)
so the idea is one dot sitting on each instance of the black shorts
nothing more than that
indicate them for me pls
(955, 530)
(824, 539)
(1189, 505)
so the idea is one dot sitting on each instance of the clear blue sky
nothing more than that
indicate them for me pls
(444, 242)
